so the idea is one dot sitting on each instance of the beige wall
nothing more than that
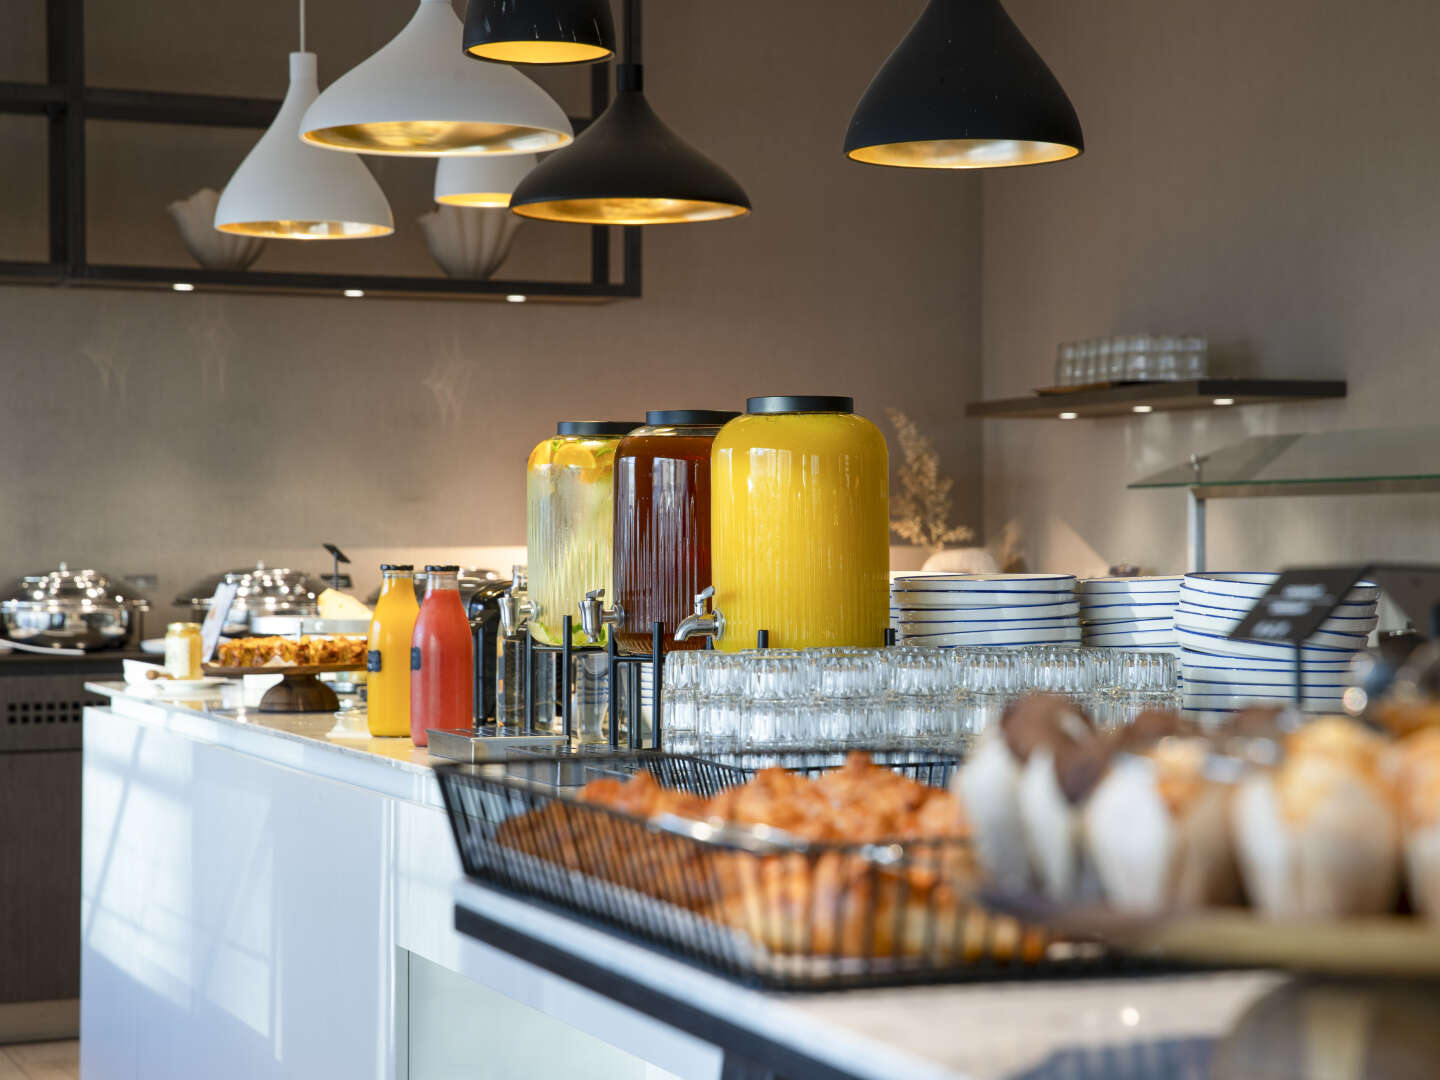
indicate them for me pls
(1268, 174)
(181, 434)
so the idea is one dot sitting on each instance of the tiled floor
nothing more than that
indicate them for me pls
(40, 1061)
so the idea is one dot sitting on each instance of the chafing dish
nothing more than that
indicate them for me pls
(73, 609)
(263, 590)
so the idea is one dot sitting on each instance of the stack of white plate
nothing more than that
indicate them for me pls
(1221, 675)
(1134, 613)
(985, 609)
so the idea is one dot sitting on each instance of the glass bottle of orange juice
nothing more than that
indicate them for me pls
(388, 660)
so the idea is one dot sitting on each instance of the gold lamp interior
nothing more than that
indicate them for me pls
(436, 138)
(475, 198)
(963, 153)
(539, 52)
(620, 211)
(306, 230)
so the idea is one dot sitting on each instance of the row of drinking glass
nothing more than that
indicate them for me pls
(1131, 358)
(902, 696)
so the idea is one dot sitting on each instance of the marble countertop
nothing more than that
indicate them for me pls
(313, 741)
(1137, 1028)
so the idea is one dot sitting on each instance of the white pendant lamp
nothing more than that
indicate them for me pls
(480, 181)
(421, 96)
(290, 191)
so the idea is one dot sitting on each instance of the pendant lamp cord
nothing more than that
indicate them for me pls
(632, 32)
(302, 25)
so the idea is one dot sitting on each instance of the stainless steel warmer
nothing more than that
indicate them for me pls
(263, 590)
(72, 609)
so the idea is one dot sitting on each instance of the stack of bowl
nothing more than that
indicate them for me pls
(1133, 613)
(986, 609)
(1221, 675)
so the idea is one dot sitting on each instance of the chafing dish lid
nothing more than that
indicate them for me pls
(63, 589)
(261, 586)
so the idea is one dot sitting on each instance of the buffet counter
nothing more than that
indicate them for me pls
(262, 900)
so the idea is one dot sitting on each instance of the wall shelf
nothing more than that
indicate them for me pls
(1125, 399)
(68, 104)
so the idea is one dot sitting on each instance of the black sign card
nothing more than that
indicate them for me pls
(1300, 600)
(1297, 603)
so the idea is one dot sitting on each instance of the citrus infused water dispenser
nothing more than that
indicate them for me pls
(568, 515)
(799, 528)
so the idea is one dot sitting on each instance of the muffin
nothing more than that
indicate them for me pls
(1056, 779)
(1415, 770)
(988, 786)
(1158, 832)
(1319, 836)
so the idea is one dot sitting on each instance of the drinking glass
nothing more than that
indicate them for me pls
(1194, 360)
(1139, 359)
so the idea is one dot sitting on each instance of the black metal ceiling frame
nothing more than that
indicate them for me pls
(68, 104)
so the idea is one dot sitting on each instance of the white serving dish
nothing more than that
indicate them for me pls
(1032, 613)
(1127, 586)
(1219, 645)
(1219, 702)
(1217, 681)
(1354, 634)
(987, 583)
(910, 629)
(922, 601)
(1053, 636)
(1203, 666)
(1126, 626)
(1125, 641)
(1220, 607)
(1254, 586)
(1127, 611)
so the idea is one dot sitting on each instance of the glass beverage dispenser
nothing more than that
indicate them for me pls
(662, 528)
(800, 528)
(569, 512)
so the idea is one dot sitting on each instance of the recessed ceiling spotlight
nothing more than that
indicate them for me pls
(1224, 401)
(183, 286)
(354, 294)
(1068, 415)
(516, 298)
(1144, 408)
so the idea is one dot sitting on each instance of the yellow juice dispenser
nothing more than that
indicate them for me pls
(800, 528)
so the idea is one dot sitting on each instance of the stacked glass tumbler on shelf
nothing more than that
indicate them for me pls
(901, 697)
(1131, 358)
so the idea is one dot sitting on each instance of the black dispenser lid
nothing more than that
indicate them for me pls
(799, 403)
(688, 417)
(595, 427)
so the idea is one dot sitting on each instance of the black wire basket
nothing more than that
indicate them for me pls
(745, 902)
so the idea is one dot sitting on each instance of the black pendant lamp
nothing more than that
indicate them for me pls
(628, 167)
(540, 31)
(964, 90)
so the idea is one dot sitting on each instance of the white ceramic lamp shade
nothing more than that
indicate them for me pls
(421, 96)
(480, 181)
(287, 190)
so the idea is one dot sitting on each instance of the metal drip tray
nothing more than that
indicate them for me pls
(472, 749)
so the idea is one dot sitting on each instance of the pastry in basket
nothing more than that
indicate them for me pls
(1055, 783)
(988, 786)
(1158, 831)
(891, 901)
(880, 865)
(1319, 835)
(1415, 768)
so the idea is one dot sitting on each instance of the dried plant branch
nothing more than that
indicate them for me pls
(920, 509)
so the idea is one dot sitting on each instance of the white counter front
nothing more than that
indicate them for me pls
(261, 900)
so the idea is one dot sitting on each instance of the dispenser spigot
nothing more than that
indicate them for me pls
(513, 611)
(594, 617)
(706, 622)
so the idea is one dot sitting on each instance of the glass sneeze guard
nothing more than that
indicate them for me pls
(1376, 461)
